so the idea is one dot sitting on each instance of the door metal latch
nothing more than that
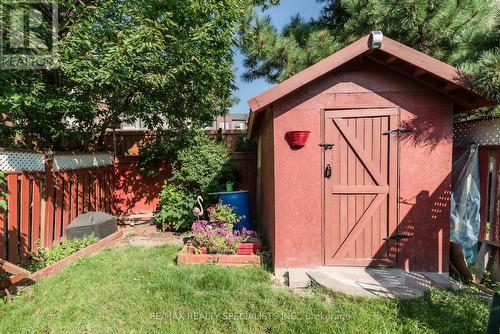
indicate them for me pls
(397, 132)
(328, 171)
(327, 146)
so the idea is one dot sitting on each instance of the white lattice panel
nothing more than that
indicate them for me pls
(484, 133)
(14, 161)
(72, 162)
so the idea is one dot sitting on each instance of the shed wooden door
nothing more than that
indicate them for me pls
(361, 193)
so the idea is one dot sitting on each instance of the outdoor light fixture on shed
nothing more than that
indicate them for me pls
(375, 40)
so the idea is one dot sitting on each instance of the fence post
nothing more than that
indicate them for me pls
(112, 185)
(24, 219)
(494, 321)
(12, 215)
(47, 227)
(2, 221)
(484, 166)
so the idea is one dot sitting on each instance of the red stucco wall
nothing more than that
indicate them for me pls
(425, 164)
(425, 174)
(298, 177)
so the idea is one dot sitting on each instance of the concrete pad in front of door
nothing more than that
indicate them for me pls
(366, 282)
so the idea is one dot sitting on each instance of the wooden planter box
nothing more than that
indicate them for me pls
(253, 246)
(25, 277)
(247, 248)
(188, 256)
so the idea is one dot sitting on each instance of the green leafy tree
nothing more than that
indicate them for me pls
(465, 34)
(164, 62)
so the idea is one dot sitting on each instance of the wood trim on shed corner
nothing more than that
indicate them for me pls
(254, 119)
(251, 118)
(395, 178)
(253, 104)
(322, 166)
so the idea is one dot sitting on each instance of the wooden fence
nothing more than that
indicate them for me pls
(136, 192)
(40, 206)
(130, 142)
(42, 202)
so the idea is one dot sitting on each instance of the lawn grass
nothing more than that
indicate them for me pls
(141, 290)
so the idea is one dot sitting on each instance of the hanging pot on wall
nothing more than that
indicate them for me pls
(297, 139)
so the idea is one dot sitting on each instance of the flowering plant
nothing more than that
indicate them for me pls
(222, 213)
(218, 238)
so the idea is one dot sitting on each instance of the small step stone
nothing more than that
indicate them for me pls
(298, 279)
(417, 280)
(439, 280)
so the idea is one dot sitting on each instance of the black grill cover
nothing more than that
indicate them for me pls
(99, 223)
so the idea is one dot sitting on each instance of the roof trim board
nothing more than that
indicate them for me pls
(423, 66)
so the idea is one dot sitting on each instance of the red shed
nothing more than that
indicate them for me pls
(360, 192)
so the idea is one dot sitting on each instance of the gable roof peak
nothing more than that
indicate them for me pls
(414, 64)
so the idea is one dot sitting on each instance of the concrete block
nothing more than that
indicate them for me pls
(298, 278)
(334, 285)
(418, 281)
(369, 283)
(439, 280)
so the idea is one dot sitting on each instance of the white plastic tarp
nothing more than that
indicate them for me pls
(465, 202)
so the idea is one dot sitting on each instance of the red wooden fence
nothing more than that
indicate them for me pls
(41, 205)
(137, 192)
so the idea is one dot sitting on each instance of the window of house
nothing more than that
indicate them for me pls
(239, 125)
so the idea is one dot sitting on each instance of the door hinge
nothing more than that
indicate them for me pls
(397, 132)
(398, 237)
(327, 146)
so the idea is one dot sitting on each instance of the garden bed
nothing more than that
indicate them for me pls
(252, 246)
(189, 255)
(28, 278)
(216, 241)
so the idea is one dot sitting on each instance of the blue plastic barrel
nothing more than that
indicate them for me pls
(240, 201)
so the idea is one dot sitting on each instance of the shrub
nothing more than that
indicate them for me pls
(202, 166)
(218, 238)
(175, 207)
(222, 213)
(48, 256)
